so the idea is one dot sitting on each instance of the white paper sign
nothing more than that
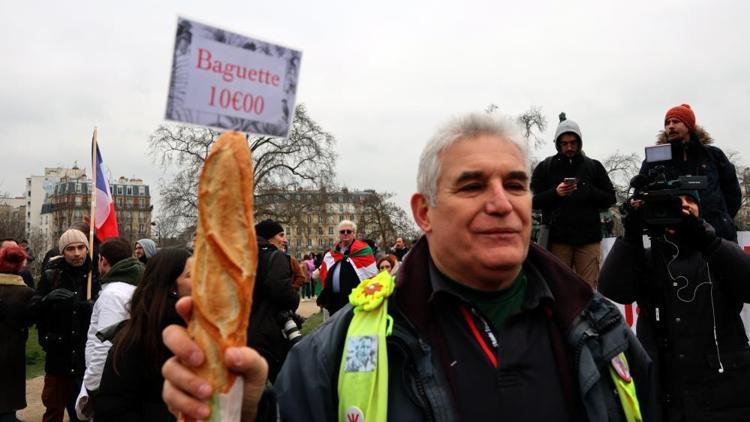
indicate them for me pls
(230, 81)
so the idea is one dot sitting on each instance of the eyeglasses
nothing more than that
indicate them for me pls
(384, 267)
(346, 231)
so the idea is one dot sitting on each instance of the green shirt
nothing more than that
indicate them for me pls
(499, 305)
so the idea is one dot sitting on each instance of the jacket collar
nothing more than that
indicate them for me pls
(128, 270)
(11, 280)
(415, 286)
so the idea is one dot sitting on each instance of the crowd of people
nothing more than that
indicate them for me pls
(471, 320)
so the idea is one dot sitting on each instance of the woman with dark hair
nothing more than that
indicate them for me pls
(14, 296)
(131, 383)
(388, 263)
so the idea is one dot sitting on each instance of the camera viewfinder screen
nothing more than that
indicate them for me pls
(659, 153)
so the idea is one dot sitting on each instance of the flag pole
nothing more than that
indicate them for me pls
(92, 219)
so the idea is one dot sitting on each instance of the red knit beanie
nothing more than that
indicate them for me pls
(12, 259)
(683, 113)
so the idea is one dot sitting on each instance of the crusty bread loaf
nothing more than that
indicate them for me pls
(226, 256)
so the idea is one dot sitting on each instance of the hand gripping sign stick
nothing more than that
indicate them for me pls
(226, 256)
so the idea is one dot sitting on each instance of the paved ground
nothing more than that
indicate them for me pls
(34, 409)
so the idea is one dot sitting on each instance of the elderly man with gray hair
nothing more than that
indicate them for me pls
(344, 267)
(481, 324)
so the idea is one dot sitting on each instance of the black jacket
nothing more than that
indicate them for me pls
(721, 199)
(694, 294)
(574, 219)
(586, 331)
(273, 295)
(63, 326)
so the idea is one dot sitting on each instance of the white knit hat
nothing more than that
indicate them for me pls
(72, 236)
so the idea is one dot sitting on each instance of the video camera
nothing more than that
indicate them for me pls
(662, 206)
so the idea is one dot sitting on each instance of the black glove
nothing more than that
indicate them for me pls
(698, 234)
(59, 295)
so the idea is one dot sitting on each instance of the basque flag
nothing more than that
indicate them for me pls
(104, 212)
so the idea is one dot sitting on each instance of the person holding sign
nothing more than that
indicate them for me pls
(63, 315)
(481, 322)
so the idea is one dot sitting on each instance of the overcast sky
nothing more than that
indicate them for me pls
(380, 76)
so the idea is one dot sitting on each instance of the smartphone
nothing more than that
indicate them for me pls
(570, 180)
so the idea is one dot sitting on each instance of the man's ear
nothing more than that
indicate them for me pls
(420, 210)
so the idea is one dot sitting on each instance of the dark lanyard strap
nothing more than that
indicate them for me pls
(478, 337)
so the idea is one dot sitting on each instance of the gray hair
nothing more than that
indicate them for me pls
(467, 127)
(347, 223)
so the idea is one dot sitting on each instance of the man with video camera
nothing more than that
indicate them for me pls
(694, 155)
(690, 286)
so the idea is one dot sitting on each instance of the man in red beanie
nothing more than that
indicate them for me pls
(693, 154)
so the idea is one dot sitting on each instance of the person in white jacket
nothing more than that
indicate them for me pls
(120, 273)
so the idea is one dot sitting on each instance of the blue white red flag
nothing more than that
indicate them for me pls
(105, 219)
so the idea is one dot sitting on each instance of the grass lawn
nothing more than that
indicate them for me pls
(312, 323)
(34, 355)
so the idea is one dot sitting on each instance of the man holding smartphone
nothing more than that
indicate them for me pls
(570, 189)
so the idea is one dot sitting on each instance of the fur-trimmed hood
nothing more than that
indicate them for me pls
(699, 134)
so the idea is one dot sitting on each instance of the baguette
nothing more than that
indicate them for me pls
(226, 256)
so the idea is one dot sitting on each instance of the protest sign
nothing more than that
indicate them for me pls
(231, 81)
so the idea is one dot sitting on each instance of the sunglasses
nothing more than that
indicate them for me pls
(346, 231)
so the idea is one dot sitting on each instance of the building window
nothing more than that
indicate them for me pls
(119, 190)
(330, 230)
(130, 190)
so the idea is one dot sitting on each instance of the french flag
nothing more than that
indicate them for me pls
(105, 219)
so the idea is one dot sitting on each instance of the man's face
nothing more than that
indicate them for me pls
(400, 243)
(138, 252)
(346, 235)
(676, 130)
(279, 241)
(569, 144)
(479, 230)
(689, 205)
(75, 254)
(103, 265)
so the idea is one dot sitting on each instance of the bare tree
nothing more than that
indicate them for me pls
(12, 222)
(384, 220)
(306, 158)
(533, 123)
(621, 168)
(742, 219)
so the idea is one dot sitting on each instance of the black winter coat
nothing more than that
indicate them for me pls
(721, 199)
(63, 326)
(702, 293)
(14, 298)
(573, 220)
(272, 296)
